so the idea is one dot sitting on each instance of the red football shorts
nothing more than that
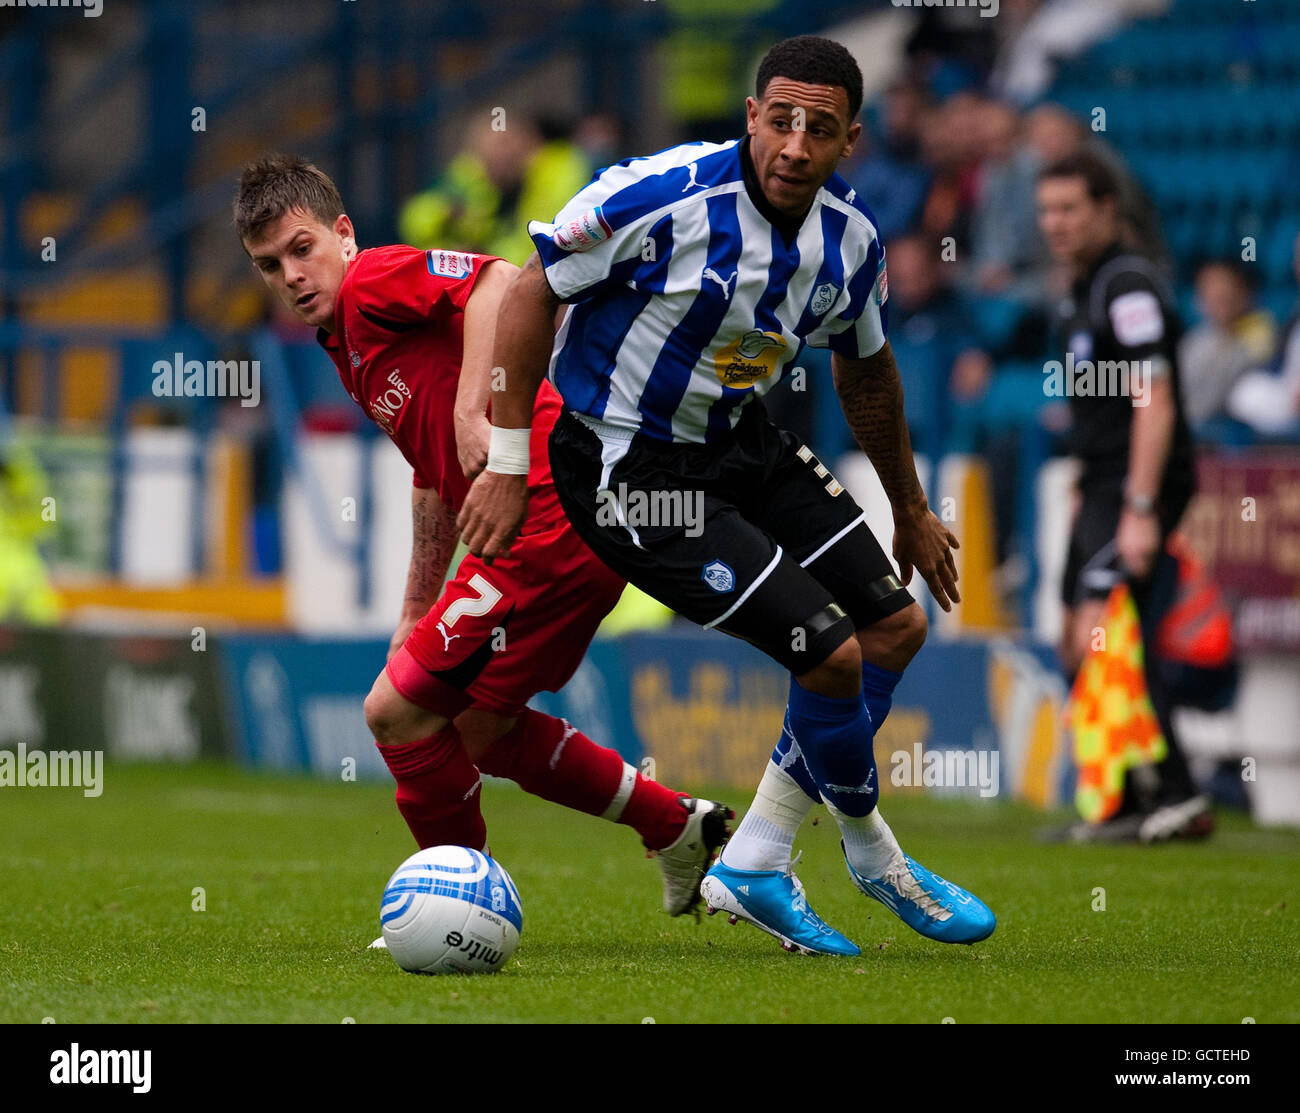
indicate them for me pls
(503, 632)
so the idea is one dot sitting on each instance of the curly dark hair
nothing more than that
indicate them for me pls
(815, 61)
(269, 187)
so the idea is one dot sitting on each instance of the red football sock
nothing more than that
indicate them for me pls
(548, 757)
(438, 790)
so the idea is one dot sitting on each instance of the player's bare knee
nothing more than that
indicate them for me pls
(894, 640)
(381, 716)
(909, 630)
(393, 720)
(840, 674)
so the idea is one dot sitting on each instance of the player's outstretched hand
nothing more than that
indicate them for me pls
(924, 542)
(493, 513)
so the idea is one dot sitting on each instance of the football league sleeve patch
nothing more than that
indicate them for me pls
(1137, 319)
(862, 329)
(596, 237)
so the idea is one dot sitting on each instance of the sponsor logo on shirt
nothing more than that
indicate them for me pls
(384, 406)
(582, 232)
(449, 264)
(748, 358)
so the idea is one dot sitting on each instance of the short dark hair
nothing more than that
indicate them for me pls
(815, 61)
(269, 187)
(1246, 275)
(1099, 178)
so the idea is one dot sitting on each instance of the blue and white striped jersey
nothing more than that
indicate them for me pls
(687, 302)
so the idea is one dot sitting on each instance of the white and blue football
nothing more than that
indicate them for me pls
(449, 909)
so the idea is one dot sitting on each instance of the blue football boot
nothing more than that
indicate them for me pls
(773, 900)
(927, 903)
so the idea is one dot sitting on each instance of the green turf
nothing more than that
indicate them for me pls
(96, 919)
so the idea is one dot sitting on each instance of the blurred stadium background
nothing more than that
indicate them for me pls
(186, 577)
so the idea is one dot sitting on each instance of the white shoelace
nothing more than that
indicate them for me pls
(903, 880)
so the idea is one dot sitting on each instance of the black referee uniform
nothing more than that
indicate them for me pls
(1122, 311)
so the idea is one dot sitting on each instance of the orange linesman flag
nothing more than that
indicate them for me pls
(1109, 712)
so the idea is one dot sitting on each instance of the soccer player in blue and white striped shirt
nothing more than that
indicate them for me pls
(690, 281)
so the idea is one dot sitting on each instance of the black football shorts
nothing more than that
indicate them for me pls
(1092, 564)
(752, 536)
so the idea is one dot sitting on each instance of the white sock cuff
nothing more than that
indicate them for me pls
(780, 800)
(870, 822)
(622, 796)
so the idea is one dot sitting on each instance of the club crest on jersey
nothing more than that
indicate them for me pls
(823, 298)
(449, 264)
(582, 232)
(748, 358)
(354, 357)
(719, 576)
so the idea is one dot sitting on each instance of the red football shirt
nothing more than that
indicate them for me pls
(397, 344)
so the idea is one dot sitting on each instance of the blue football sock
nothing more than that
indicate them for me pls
(835, 735)
(878, 690)
(789, 759)
(878, 686)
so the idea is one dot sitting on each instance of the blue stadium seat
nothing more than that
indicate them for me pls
(136, 381)
(1276, 251)
(996, 320)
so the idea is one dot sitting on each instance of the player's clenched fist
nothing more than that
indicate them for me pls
(493, 512)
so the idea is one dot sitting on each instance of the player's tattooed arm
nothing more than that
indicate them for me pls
(433, 541)
(871, 395)
(477, 373)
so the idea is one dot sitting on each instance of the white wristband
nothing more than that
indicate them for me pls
(508, 451)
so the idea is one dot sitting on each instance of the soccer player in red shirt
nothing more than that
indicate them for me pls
(411, 334)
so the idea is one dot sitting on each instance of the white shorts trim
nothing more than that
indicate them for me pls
(853, 524)
(748, 591)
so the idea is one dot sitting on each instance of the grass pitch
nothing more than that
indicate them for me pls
(99, 922)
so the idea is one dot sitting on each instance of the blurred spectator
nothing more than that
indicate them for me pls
(708, 65)
(1232, 337)
(1269, 401)
(950, 144)
(887, 170)
(600, 138)
(25, 592)
(931, 333)
(1052, 133)
(1006, 250)
(1036, 33)
(503, 179)
(951, 47)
